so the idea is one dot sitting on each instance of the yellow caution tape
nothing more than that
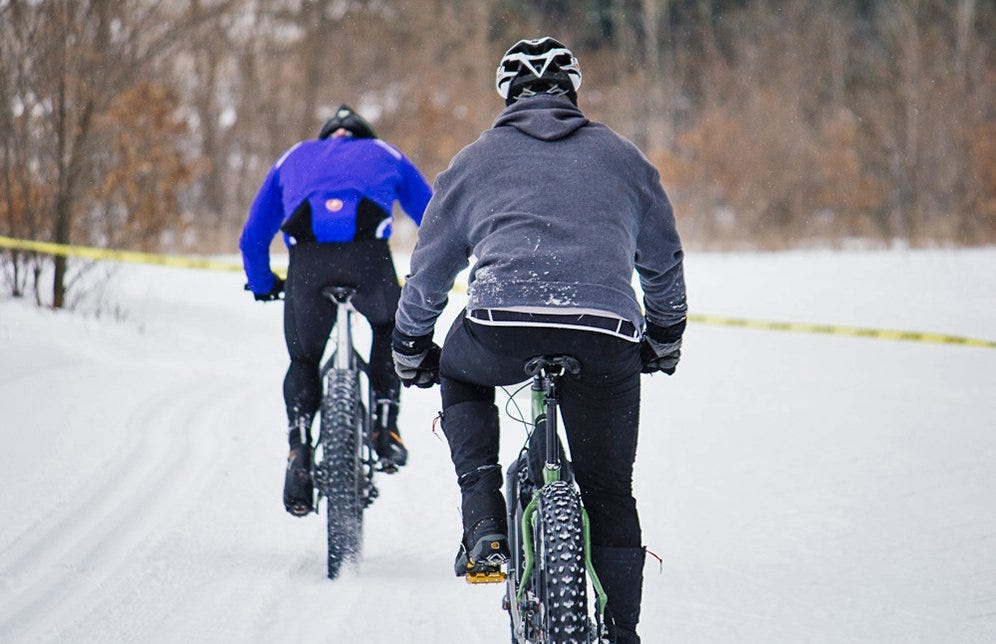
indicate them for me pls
(133, 257)
(828, 329)
(185, 261)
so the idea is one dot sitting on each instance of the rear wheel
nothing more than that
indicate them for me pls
(341, 430)
(560, 575)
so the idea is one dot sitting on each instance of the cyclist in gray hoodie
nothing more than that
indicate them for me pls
(558, 212)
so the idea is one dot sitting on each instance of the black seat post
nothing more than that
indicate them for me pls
(550, 387)
(546, 372)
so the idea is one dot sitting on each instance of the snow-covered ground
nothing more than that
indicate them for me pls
(799, 488)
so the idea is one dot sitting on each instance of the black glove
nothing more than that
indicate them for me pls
(660, 349)
(416, 360)
(273, 294)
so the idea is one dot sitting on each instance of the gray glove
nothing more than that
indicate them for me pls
(416, 360)
(660, 349)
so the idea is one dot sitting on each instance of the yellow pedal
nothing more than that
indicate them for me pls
(486, 577)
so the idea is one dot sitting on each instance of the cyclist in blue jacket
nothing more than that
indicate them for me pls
(332, 198)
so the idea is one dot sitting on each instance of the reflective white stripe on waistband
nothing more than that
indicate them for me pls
(616, 333)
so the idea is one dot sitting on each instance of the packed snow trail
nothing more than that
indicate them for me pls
(798, 488)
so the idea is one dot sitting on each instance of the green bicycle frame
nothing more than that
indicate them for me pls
(544, 408)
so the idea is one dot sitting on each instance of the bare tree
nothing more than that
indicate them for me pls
(932, 101)
(84, 57)
(773, 122)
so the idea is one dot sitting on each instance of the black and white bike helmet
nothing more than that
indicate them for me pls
(539, 66)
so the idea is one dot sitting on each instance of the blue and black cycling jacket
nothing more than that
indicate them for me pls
(331, 190)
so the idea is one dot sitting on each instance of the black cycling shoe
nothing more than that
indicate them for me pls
(391, 449)
(385, 435)
(484, 548)
(299, 493)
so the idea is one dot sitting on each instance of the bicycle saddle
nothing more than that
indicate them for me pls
(339, 293)
(563, 363)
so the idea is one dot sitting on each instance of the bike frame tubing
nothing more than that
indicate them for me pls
(344, 355)
(596, 583)
(544, 407)
(357, 360)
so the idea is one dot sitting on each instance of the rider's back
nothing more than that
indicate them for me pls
(558, 211)
(333, 176)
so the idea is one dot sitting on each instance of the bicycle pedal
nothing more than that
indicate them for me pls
(486, 577)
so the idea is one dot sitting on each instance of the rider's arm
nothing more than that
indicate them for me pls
(659, 260)
(442, 251)
(413, 190)
(265, 216)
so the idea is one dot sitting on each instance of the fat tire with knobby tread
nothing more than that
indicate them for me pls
(560, 574)
(340, 432)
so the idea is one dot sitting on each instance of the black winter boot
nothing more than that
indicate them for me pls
(621, 572)
(484, 548)
(299, 430)
(471, 428)
(386, 437)
(299, 493)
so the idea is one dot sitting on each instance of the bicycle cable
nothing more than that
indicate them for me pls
(520, 417)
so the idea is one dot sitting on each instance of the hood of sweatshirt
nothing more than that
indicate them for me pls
(547, 118)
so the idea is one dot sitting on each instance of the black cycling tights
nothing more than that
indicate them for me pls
(600, 407)
(309, 317)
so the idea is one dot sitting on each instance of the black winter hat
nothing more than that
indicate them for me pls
(346, 118)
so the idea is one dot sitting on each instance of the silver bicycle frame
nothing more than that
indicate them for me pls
(343, 358)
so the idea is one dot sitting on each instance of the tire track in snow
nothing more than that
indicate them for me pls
(108, 519)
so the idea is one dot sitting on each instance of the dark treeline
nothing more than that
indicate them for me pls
(149, 125)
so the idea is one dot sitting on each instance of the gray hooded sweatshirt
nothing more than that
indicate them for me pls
(558, 211)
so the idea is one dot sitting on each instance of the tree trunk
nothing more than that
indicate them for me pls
(69, 162)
